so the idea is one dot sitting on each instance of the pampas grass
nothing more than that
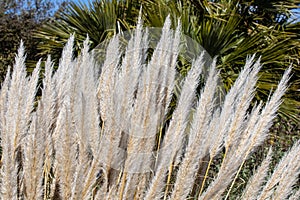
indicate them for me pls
(107, 136)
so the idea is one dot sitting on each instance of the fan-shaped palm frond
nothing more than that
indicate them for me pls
(100, 20)
(230, 30)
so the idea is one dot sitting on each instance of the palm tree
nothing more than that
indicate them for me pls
(230, 30)
(99, 20)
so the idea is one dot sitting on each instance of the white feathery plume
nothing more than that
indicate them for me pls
(64, 132)
(9, 167)
(150, 104)
(86, 121)
(65, 157)
(20, 96)
(198, 137)
(176, 130)
(284, 177)
(34, 144)
(47, 112)
(63, 77)
(256, 136)
(238, 100)
(269, 112)
(57, 147)
(128, 78)
(295, 196)
(257, 180)
(226, 127)
(107, 79)
(110, 137)
(17, 106)
(233, 160)
(3, 99)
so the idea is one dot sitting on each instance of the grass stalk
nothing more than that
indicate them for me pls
(205, 176)
(168, 183)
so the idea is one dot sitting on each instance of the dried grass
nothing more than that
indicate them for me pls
(106, 137)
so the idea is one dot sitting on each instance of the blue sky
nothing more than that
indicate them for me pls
(84, 1)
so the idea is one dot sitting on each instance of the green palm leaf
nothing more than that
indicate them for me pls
(231, 30)
(100, 20)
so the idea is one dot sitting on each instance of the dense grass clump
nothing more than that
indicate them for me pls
(108, 136)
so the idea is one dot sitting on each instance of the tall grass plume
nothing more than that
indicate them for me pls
(108, 132)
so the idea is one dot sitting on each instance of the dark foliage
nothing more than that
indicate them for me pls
(18, 20)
